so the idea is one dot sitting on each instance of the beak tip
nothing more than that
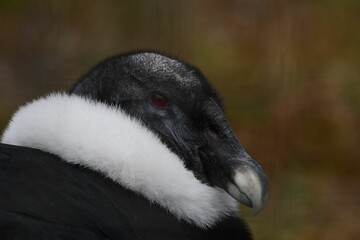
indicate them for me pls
(249, 188)
(257, 206)
(255, 211)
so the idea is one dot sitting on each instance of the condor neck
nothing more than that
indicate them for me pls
(105, 139)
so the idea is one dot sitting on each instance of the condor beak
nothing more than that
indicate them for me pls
(228, 166)
(248, 184)
(241, 177)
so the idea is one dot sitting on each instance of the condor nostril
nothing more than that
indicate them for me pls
(212, 132)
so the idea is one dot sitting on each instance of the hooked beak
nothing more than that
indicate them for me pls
(240, 176)
(248, 184)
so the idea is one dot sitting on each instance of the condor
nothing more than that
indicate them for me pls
(138, 149)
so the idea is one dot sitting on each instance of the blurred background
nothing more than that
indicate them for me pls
(289, 73)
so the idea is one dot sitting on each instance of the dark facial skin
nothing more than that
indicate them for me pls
(177, 103)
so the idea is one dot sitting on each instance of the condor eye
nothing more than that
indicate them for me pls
(159, 101)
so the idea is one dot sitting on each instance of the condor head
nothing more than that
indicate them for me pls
(177, 103)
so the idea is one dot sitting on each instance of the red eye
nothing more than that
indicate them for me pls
(159, 101)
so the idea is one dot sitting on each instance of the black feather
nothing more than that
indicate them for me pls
(43, 197)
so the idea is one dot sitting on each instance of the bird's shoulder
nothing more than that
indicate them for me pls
(40, 193)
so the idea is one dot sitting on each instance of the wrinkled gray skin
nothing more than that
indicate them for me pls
(192, 125)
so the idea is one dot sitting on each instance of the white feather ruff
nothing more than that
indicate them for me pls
(106, 139)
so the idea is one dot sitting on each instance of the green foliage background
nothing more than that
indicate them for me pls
(289, 73)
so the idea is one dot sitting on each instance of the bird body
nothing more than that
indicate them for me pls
(43, 197)
(125, 155)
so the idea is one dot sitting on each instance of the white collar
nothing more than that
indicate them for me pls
(106, 139)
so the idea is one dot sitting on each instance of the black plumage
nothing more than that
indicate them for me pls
(43, 197)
